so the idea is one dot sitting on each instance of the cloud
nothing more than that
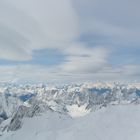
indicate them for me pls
(32, 25)
(82, 59)
(37, 73)
(122, 73)
(57, 18)
(12, 45)
(116, 21)
(132, 70)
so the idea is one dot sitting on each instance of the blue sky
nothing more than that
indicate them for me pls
(69, 40)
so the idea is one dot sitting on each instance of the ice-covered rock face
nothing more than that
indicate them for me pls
(23, 111)
(18, 102)
(8, 104)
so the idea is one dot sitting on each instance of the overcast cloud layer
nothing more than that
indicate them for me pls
(91, 40)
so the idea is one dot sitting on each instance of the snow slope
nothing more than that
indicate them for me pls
(77, 111)
(121, 122)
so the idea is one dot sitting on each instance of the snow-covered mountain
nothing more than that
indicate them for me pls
(48, 109)
(114, 122)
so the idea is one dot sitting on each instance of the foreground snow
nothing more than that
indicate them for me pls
(121, 122)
